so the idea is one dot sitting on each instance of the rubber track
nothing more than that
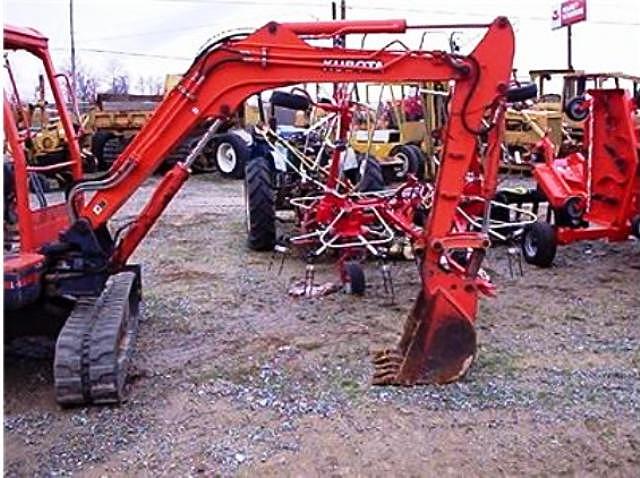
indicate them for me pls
(262, 210)
(95, 345)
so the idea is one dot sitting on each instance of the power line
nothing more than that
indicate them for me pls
(397, 9)
(470, 14)
(73, 48)
(152, 33)
(127, 53)
(228, 2)
(250, 2)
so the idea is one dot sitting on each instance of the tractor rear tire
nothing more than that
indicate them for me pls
(204, 162)
(539, 244)
(356, 284)
(290, 101)
(98, 143)
(500, 213)
(260, 205)
(112, 148)
(522, 92)
(231, 154)
(371, 178)
(570, 214)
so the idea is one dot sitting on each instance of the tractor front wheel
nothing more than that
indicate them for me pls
(260, 205)
(539, 244)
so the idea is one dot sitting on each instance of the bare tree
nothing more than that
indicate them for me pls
(120, 84)
(118, 78)
(140, 85)
(155, 85)
(150, 85)
(86, 82)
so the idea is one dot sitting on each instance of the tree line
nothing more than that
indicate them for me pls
(115, 80)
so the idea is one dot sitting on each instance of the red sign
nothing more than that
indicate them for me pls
(568, 13)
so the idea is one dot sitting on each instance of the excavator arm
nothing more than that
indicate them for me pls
(439, 339)
(276, 55)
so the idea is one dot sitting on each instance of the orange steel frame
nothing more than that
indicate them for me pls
(38, 227)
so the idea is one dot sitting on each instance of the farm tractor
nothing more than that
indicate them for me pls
(524, 128)
(65, 266)
(116, 119)
(550, 115)
(593, 193)
(293, 157)
(560, 117)
(340, 199)
(45, 139)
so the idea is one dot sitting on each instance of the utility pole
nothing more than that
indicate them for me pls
(73, 50)
(339, 41)
(569, 55)
(343, 16)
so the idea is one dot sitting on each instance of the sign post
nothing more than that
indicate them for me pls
(569, 55)
(565, 14)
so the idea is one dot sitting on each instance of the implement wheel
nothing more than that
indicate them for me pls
(356, 283)
(260, 205)
(635, 226)
(539, 244)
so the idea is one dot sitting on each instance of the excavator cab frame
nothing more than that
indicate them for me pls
(34, 226)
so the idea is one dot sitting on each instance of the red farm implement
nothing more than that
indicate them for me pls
(594, 193)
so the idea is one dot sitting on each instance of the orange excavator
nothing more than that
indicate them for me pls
(64, 257)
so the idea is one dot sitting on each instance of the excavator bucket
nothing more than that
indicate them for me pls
(438, 345)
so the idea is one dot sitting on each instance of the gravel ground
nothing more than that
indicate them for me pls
(233, 377)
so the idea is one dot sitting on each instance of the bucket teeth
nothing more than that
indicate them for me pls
(437, 347)
(387, 364)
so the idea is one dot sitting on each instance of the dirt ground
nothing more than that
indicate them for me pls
(234, 377)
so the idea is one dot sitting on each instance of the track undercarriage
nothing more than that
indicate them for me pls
(94, 348)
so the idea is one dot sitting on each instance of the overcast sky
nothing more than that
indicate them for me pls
(154, 37)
